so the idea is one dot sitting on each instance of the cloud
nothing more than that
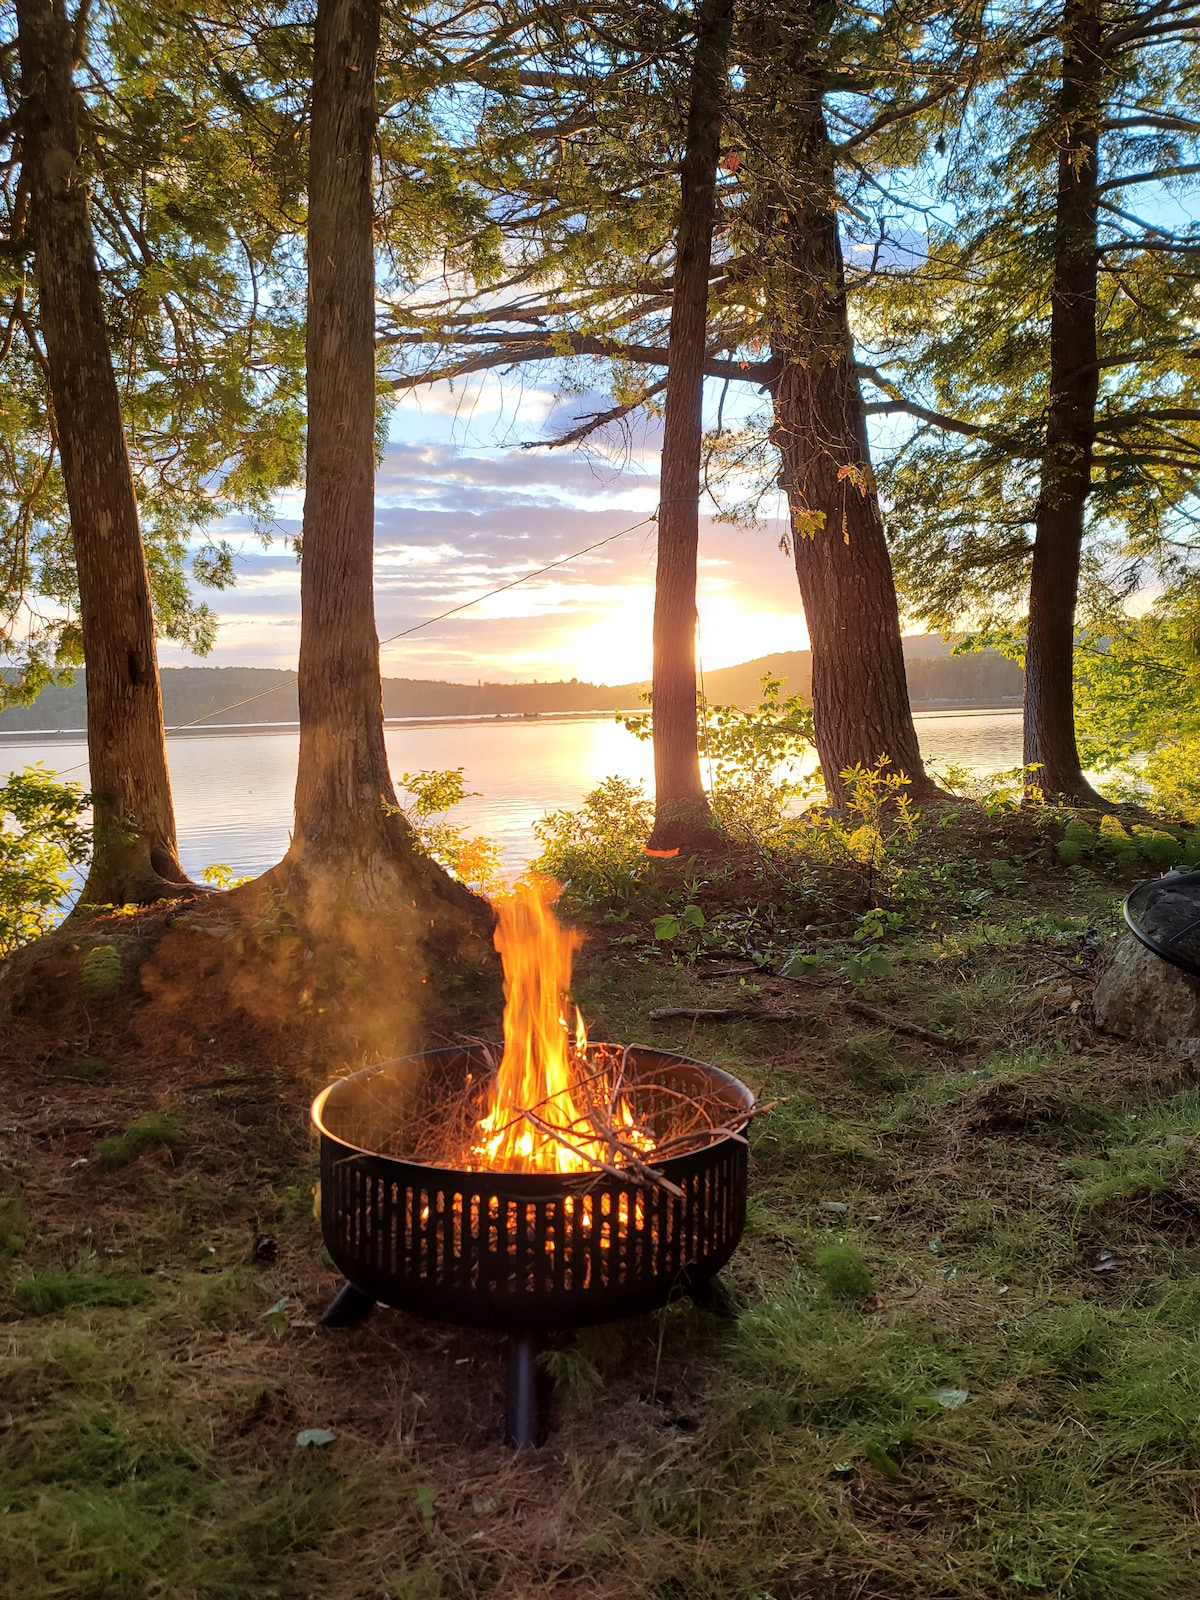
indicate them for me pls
(455, 521)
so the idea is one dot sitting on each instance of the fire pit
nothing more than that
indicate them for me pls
(1164, 915)
(568, 1183)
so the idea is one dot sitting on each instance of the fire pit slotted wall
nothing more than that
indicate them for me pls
(518, 1251)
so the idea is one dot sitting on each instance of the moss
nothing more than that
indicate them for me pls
(102, 972)
(151, 1132)
(844, 1273)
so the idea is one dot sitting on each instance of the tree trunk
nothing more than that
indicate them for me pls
(682, 819)
(861, 710)
(134, 855)
(1070, 422)
(352, 867)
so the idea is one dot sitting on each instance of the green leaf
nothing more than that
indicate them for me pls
(881, 1461)
(693, 917)
(951, 1399)
(424, 1502)
(799, 964)
(666, 927)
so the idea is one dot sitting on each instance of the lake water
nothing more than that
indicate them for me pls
(233, 789)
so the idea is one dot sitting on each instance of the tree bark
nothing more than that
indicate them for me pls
(1050, 743)
(861, 710)
(353, 859)
(135, 856)
(682, 819)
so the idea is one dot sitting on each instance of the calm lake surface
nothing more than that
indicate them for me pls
(233, 788)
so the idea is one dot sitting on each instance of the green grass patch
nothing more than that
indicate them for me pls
(105, 1508)
(49, 1291)
(150, 1132)
(81, 1069)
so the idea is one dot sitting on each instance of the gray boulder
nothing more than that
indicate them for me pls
(1141, 996)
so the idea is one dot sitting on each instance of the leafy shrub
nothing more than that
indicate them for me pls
(148, 1133)
(42, 837)
(1115, 841)
(598, 847)
(221, 876)
(473, 859)
(753, 755)
(1078, 838)
(1157, 846)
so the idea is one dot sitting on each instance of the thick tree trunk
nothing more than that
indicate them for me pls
(352, 868)
(861, 710)
(1070, 422)
(134, 854)
(682, 819)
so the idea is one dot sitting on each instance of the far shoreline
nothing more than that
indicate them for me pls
(19, 736)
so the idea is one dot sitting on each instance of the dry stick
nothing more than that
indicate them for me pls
(634, 1169)
(754, 1014)
(902, 1026)
(725, 1013)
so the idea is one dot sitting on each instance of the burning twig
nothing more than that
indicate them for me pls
(633, 1168)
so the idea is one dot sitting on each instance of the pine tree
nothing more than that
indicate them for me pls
(353, 875)
(134, 851)
(682, 819)
(586, 283)
(1040, 350)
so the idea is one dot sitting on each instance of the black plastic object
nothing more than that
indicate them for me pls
(525, 1252)
(1165, 915)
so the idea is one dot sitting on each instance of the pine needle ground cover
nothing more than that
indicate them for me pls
(956, 1355)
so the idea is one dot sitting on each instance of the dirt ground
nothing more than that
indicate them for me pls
(1022, 1193)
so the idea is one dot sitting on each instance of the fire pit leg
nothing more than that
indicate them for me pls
(348, 1306)
(521, 1422)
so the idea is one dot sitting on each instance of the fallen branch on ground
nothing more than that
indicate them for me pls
(726, 1014)
(942, 1040)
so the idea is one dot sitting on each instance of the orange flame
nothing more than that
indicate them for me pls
(538, 1120)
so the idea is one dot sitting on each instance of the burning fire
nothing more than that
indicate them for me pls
(551, 1110)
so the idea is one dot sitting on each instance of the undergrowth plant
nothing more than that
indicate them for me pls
(597, 849)
(754, 757)
(472, 858)
(43, 836)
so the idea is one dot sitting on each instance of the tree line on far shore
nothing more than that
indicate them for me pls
(212, 697)
(220, 232)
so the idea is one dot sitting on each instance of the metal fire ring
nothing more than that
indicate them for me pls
(1164, 915)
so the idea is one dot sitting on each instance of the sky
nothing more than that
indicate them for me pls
(461, 507)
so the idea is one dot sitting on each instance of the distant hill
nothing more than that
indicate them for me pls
(935, 677)
(226, 696)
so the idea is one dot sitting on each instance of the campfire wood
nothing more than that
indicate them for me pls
(524, 1253)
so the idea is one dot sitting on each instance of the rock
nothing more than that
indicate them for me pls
(1141, 996)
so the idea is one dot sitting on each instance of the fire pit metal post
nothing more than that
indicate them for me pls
(521, 1420)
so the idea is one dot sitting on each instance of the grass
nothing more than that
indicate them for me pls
(956, 1356)
(151, 1132)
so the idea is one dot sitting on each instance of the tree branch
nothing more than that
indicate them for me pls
(898, 402)
(595, 420)
(515, 349)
